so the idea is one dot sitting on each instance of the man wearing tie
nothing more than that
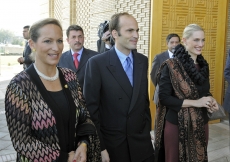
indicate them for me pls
(26, 60)
(76, 58)
(172, 41)
(116, 93)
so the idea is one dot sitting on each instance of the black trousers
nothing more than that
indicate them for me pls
(122, 155)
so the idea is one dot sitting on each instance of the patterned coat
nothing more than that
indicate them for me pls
(32, 124)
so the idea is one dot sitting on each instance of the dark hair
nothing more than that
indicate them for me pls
(26, 27)
(74, 27)
(114, 24)
(34, 30)
(172, 35)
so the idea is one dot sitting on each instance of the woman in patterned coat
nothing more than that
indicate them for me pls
(45, 108)
(184, 101)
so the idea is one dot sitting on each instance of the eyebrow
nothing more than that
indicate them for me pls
(133, 29)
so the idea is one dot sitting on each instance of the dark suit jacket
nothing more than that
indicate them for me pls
(157, 61)
(26, 55)
(66, 61)
(120, 112)
(227, 77)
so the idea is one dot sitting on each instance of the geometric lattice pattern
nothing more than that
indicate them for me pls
(140, 9)
(100, 10)
(90, 13)
(179, 13)
(83, 19)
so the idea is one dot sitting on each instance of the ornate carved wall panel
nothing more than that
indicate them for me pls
(83, 18)
(172, 16)
(140, 9)
(90, 13)
(100, 10)
(58, 4)
(179, 13)
(72, 11)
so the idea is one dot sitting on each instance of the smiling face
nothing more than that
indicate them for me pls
(48, 46)
(127, 36)
(195, 43)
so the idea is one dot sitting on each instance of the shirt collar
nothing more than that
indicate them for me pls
(79, 52)
(122, 56)
(170, 54)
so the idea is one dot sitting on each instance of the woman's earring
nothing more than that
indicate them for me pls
(32, 55)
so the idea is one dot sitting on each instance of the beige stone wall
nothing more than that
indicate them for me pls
(44, 8)
(90, 13)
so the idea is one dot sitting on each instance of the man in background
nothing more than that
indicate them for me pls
(105, 41)
(172, 41)
(76, 58)
(26, 60)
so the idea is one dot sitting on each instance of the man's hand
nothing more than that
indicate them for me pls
(21, 60)
(105, 156)
(105, 37)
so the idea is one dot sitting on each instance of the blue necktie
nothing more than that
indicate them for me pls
(129, 70)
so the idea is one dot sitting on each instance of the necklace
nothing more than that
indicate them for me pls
(47, 77)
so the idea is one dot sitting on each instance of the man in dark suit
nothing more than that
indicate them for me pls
(26, 60)
(227, 77)
(76, 58)
(116, 93)
(172, 41)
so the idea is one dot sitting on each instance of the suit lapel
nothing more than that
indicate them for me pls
(84, 59)
(165, 55)
(118, 73)
(69, 60)
(137, 75)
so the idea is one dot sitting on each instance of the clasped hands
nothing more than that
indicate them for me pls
(79, 155)
(208, 102)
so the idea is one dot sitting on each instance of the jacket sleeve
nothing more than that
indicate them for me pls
(166, 92)
(85, 127)
(155, 68)
(227, 68)
(91, 91)
(27, 59)
(19, 121)
(147, 109)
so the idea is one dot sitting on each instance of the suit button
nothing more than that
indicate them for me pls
(128, 117)
(127, 135)
(120, 98)
(140, 131)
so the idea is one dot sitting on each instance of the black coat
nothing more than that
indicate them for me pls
(26, 54)
(120, 112)
(66, 61)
